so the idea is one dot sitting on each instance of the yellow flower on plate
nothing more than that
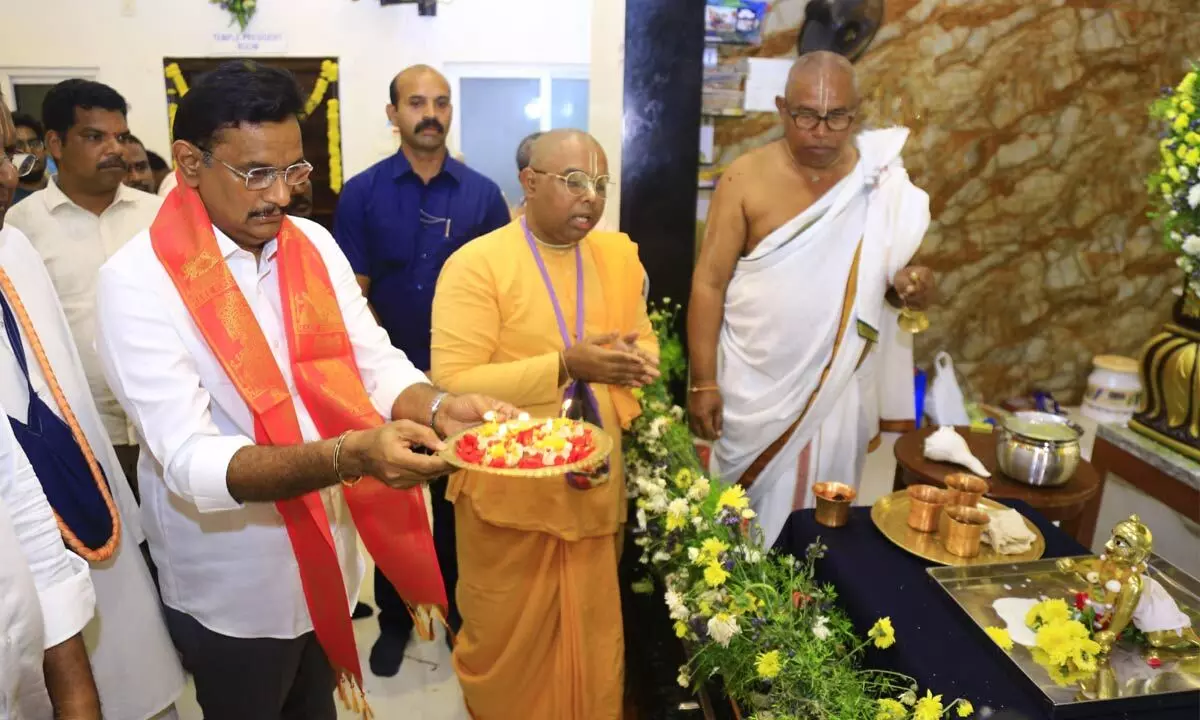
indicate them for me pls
(1000, 636)
(715, 575)
(928, 707)
(883, 633)
(890, 709)
(733, 497)
(965, 708)
(1048, 611)
(768, 665)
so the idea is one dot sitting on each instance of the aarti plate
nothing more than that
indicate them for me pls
(602, 441)
(890, 515)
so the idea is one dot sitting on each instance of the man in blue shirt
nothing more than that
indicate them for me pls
(398, 222)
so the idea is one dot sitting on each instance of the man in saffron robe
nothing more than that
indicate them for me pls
(520, 314)
(805, 239)
(240, 344)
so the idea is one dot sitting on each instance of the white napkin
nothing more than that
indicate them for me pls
(946, 445)
(1007, 532)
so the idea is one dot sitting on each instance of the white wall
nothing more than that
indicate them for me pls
(372, 42)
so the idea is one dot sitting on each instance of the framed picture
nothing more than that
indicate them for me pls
(734, 21)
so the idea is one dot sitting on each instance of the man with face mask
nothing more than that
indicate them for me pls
(31, 139)
(397, 222)
(806, 238)
(82, 218)
(545, 307)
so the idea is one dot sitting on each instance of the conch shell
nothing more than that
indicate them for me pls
(946, 445)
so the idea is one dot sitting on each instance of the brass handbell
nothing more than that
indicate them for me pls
(912, 321)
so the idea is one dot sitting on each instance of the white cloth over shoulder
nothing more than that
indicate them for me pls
(135, 665)
(776, 354)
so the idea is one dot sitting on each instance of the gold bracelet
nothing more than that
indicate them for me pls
(704, 388)
(337, 465)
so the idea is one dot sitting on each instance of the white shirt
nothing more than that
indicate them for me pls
(46, 595)
(74, 243)
(228, 565)
(135, 665)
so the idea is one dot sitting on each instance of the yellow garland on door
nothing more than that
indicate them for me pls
(329, 74)
(335, 145)
(175, 75)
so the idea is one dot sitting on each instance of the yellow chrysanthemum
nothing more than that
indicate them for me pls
(1187, 106)
(1187, 84)
(1048, 611)
(1181, 151)
(928, 707)
(890, 709)
(733, 497)
(681, 629)
(1192, 138)
(1166, 190)
(883, 633)
(710, 550)
(1173, 173)
(715, 575)
(1182, 122)
(965, 708)
(768, 665)
(684, 479)
(1000, 636)
(1193, 157)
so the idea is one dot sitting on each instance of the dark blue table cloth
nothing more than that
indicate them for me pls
(937, 643)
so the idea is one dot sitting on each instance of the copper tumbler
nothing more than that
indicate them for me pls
(965, 490)
(964, 527)
(924, 504)
(833, 503)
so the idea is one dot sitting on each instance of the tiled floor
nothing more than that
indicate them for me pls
(426, 688)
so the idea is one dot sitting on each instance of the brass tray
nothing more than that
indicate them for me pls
(604, 446)
(1125, 684)
(890, 515)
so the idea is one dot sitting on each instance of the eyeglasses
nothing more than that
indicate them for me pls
(260, 179)
(836, 121)
(580, 183)
(29, 145)
(22, 162)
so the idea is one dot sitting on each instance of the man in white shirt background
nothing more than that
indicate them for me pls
(49, 411)
(82, 218)
(276, 418)
(46, 594)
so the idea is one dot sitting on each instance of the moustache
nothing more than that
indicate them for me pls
(429, 123)
(113, 164)
(266, 213)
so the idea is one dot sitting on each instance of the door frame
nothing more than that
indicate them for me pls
(46, 75)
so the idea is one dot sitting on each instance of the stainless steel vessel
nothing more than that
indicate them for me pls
(1039, 449)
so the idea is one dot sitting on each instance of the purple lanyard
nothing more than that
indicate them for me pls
(558, 314)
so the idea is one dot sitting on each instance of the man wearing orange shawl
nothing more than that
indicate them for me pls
(520, 314)
(275, 418)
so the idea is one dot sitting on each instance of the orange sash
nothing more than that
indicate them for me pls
(392, 523)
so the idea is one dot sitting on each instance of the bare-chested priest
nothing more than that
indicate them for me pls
(805, 261)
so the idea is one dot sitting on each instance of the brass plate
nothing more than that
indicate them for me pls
(1120, 687)
(604, 446)
(890, 515)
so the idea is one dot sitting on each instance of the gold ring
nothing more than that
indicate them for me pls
(914, 276)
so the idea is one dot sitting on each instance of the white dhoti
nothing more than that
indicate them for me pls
(803, 384)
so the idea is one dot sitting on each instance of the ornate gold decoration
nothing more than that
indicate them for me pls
(1170, 370)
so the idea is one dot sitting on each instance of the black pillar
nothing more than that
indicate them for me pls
(664, 54)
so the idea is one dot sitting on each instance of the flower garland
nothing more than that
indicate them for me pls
(332, 115)
(777, 638)
(241, 10)
(1175, 186)
(329, 74)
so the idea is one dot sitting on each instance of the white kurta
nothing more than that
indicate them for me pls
(46, 595)
(136, 668)
(780, 330)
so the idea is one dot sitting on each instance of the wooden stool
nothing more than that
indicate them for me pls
(1065, 504)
